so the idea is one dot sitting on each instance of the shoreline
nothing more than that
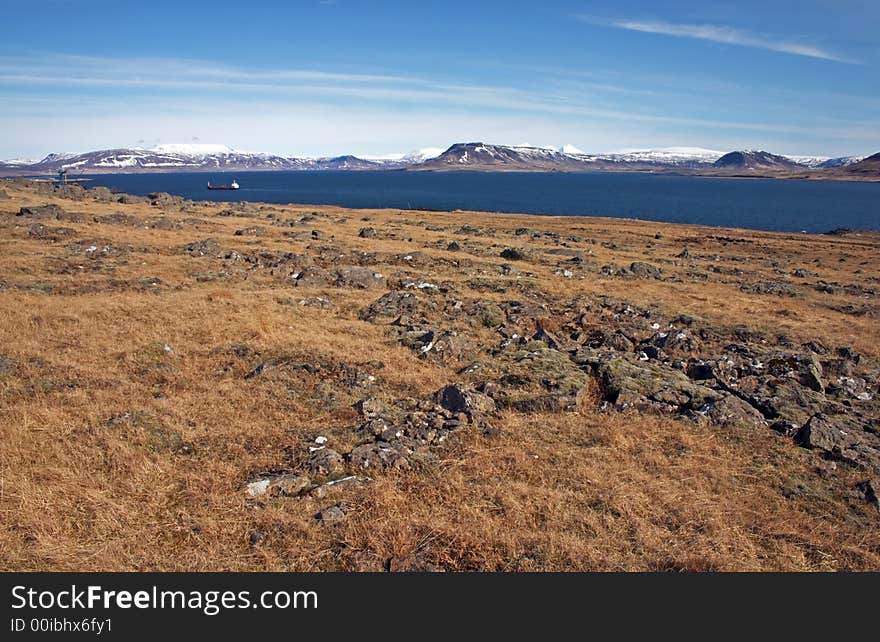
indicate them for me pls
(809, 175)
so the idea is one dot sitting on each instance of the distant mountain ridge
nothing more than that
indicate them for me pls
(755, 159)
(473, 156)
(869, 166)
(188, 158)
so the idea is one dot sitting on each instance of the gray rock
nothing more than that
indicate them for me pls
(42, 211)
(870, 489)
(315, 277)
(359, 277)
(823, 432)
(288, 485)
(516, 254)
(644, 270)
(378, 456)
(205, 247)
(646, 384)
(462, 398)
(331, 515)
(390, 306)
(324, 462)
(618, 341)
(731, 411)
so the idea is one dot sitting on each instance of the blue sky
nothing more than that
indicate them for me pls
(328, 77)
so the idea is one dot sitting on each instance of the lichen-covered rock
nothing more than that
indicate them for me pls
(287, 485)
(315, 277)
(324, 462)
(205, 247)
(731, 411)
(628, 383)
(842, 438)
(378, 455)
(644, 270)
(390, 307)
(41, 211)
(359, 277)
(462, 398)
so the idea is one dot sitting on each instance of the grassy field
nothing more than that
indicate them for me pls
(144, 384)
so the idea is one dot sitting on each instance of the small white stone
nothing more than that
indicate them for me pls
(257, 488)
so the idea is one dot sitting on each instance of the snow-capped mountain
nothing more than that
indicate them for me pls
(409, 158)
(421, 155)
(467, 156)
(824, 162)
(486, 156)
(569, 157)
(162, 158)
(669, 155)
(753, 159)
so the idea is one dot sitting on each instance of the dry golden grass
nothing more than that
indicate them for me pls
(120, 454)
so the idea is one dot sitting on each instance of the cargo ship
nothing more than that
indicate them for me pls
(232, 185)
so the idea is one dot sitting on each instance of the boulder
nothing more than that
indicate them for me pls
(324, 462)
(644, 270)
(731, 411)
(378, 455)
(627, 383)
(314, 277)
(205, 247)
(870, 489)
(359, 277)
(462, 398)
(823, 432)
(101, 194)
(287, 485)
(390, 306)
(516, 254)
(490, 315)
(42, 211)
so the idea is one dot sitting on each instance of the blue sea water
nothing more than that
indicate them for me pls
(762, 204)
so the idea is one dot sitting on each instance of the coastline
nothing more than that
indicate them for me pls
(815, 175)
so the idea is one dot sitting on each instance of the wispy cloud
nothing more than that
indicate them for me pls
(286, 86)
(109, 101)
(725, 35)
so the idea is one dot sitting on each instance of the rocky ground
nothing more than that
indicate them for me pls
(206, 386)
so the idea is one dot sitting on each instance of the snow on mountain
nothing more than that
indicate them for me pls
(421, 155)
(751, 159)
(670, 155)
(12, 162)
(216, 157)
(571, 149)
(825, 162)
(415, 156)
(192, 149)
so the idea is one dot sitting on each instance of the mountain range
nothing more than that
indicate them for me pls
(475, 156)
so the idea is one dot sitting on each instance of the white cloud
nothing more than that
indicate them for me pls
(110, 102)
(728, 36)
